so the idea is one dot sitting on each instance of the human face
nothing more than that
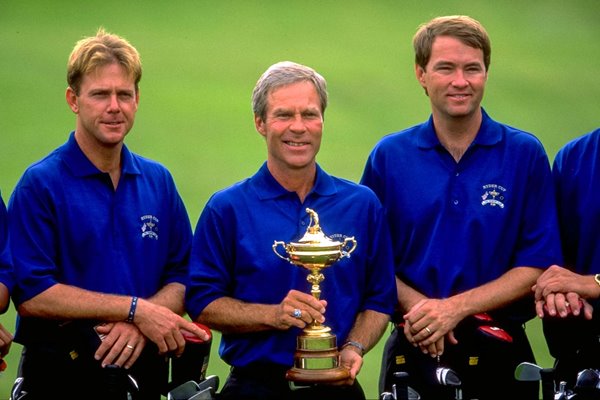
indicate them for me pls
(292, 127)
(454, 78)
(105, 106)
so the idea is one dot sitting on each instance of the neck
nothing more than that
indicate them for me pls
(106, 158)
(300, 181)
(457, 134)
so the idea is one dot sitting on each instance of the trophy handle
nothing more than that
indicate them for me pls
(277, 243)
(346, 253)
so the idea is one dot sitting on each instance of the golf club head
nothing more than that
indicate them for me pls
(413, 394)
(183, 391)
(528, 372)
(587, 378)
(206, 394)
(495, 333)
(211, 381)
(447, 377)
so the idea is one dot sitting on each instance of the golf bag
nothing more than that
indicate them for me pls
(484, 358)
(70, 349)
(574, 342)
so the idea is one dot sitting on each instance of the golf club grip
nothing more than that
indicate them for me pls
(547, 378)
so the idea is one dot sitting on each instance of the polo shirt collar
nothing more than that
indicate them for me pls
(80, 165)
(488, 135)
(268, 188)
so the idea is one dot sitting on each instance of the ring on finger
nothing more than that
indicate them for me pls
(428, 330)
(297, 313)
(130, 347)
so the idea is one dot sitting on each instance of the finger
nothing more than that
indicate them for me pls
(105, 346)
(539, 308)
(588, 309)
(550, 305)
(126, 353)
(137, 351)
(430, 349)
(575, 304)
(562, 306)
(173, 345)
(308, 314)
(408, 334)
(194, 329)
(451, 338)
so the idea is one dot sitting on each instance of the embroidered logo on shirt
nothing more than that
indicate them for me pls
(149, 226)
(493, 195)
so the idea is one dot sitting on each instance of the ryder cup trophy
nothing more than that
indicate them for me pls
(317, 358)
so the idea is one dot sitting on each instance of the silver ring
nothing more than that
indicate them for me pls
(428, 330)
(130, 347)
(297, 313)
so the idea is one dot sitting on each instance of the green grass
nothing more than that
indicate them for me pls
(201, 60)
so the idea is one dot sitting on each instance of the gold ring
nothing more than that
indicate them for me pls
(130, 347)
(428, 330)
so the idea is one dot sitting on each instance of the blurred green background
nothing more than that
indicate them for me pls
(202, 58)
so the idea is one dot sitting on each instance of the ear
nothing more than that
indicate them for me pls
(71, 98)
(260, 125)
(420, 74)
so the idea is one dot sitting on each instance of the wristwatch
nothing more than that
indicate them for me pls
(597, 279)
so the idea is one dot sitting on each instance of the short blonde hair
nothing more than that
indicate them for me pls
(99, 50)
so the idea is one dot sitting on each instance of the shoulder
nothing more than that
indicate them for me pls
(399, 138)
(355, 192)
(230, 195)
(588, 142)
(45, 170)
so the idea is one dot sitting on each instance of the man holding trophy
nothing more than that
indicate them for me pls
(292, 265)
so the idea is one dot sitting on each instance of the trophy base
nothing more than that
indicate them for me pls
(317, 359)
(309, 376)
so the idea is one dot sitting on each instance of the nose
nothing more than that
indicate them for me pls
(297, 124)
(459, 79)
(113, 103)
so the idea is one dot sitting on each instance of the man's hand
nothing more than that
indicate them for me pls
(353, 361)
(122, 344)
(6, 339)
(428, 322)
(162, 326)
(299, 309)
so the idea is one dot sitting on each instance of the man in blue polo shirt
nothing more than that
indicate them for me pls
(472, 216)
(566, 296)
(259, 302)
(101, 242)
(6, 282)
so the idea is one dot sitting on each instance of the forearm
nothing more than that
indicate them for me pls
(4, 298)
(368, 328)
(511, 286)
(69, 302)
(407, 296)
(229, 315)
(171, 296)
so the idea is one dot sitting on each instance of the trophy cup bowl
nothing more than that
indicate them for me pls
(316, 359)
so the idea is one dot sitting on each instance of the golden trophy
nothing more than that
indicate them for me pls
(317, 359)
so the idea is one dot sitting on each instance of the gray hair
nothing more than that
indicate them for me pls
(282, 74)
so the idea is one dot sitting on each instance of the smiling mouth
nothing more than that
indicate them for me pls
(296, 144)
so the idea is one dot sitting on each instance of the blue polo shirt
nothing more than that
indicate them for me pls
(6, 269)
(576, 173)
(69, 225)
(456, 226)
(232, 256)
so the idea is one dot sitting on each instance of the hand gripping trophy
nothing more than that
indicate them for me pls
(317, 358)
